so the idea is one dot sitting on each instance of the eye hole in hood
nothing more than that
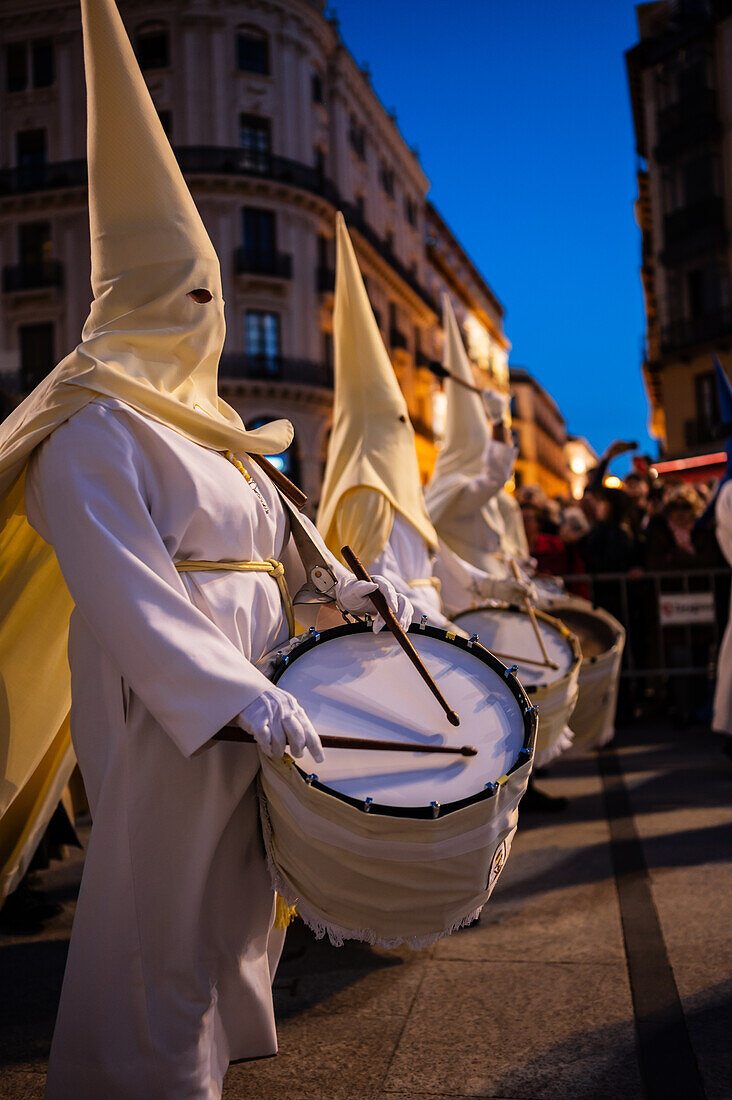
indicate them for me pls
(200, 295)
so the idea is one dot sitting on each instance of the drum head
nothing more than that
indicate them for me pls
(356, 683)
(596, 636)
(509, 634)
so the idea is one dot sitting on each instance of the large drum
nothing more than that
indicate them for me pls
(508, 632)
(396, 847)
(602, 639)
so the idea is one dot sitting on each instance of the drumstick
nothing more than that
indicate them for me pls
(379, 601)
(333, 741)
(532, 615)
(519, 660)
(443, 372)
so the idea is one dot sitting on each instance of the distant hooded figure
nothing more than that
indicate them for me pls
(372, 495)
(130, 506)
(478, 523)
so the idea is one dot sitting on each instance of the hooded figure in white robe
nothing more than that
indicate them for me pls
(372, 496)
(472, 513)
(126, 482)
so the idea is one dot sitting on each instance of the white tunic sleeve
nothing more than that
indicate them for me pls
(500, 459)
(85, 495)
(723, 518)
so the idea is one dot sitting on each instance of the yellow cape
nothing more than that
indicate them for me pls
(372, 441)
(146, 343)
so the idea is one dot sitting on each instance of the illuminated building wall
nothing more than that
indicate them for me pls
(540, 432)
(276, 128)
(680, 78)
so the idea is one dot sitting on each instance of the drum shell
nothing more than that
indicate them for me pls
(593, 720)
(382, 879)
(556, 701)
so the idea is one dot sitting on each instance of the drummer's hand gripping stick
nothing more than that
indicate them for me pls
(379, 601)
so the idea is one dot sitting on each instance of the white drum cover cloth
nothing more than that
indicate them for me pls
(593, 718)
(508, 632)
(357, 847)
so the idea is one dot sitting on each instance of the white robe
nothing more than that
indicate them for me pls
(722, 718)
(172, 956)
(405, 559)
(468, 515)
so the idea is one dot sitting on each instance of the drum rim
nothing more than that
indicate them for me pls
(529, 715)
(571, 639)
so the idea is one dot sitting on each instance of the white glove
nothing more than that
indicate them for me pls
(277, 722)
(496, 405)
(513, 591)
(353, 595)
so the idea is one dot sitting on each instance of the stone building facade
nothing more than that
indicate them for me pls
(680, 77)
(276, 128)
(540, 433)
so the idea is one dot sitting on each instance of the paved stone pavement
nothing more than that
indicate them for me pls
(600, 970)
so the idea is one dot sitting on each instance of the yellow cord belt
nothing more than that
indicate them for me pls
(275, 569)
(426, 582)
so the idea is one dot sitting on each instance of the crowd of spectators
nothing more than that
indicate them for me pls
(646, 524)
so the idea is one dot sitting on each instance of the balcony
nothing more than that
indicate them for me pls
(279, 368)
(397, 339)
(212, 160)
(21, 277)
(705, 329)
(43, 177)
(694, 230)
(325, 280)
(689, 122)
(275, 265)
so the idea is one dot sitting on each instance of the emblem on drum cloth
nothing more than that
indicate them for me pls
(497, 863)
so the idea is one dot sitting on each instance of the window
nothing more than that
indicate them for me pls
(386, 176)
(255, 139)
(410, 211)
(30, 148)
(389, 240)
(287, 461)
(361, 207)
(29, 64)
(34, 244)
(252, 52)
(357, 138)
(262, 337)
(319, 165)
(42, 60)
(258, 227)
(707, 401)
(37, 356)
(152, 46)
(317, 88)
(16, 66)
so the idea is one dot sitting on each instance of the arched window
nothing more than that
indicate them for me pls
(252, 51)
(152, 46)
(288, 462)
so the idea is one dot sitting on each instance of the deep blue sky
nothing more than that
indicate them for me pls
(521, 112)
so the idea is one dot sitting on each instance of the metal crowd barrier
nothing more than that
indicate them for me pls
(674, 621)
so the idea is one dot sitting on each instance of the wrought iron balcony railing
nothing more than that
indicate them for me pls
(690, 121)
(276, 368)
(704, 329)
(213, 160)
(43, 177)
(694, 230)
(277, 265)
(698, 432)
(32, 276)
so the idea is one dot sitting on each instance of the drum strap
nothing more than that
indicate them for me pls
(272, 566)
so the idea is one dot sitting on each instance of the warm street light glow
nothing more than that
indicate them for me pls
(578, 465)
(613, 482)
